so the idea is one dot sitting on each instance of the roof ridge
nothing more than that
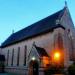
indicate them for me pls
(41, 51)
(39, 27)
(42, 19)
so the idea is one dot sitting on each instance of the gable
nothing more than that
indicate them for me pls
(67, 22)
(37, 52)
(33, 53)
(66, 19)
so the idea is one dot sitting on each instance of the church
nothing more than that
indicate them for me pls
(46, 42)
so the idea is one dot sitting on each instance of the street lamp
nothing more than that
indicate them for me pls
(56, 56)
(33, 58)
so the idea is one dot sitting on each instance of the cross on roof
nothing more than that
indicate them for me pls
(65, 3)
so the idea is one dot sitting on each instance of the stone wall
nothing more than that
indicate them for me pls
(46, 41)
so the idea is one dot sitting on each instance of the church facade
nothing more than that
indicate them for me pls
(37, 43)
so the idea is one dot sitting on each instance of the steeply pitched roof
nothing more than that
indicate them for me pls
(37, 52)
(41, 51)
(42, 26)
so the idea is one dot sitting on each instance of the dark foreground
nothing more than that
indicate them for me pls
(16, 74)
(7, 74)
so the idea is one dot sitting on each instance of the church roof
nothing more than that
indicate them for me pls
(45, 25)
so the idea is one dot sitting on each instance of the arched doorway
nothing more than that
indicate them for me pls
(33, 68)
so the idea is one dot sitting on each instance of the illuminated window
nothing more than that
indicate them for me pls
(45, 61)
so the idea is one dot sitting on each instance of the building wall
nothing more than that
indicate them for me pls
(0, 50)
(66, 21)
(46, 41)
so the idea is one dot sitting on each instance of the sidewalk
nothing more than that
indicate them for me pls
(7, 74)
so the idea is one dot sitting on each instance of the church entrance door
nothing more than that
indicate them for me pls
(34, 68)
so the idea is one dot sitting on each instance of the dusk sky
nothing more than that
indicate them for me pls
(18, 14)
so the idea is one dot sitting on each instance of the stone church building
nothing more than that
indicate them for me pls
(36, 45)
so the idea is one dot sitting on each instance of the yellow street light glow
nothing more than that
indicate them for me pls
(56, 56)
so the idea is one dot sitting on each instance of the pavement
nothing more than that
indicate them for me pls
(3, 74)
(7, 74)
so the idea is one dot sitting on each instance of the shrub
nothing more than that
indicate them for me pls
(53, 69)
(71, 69)
(2, 66)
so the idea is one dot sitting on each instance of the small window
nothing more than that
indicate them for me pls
(71, 51)
(12, 57)
(25, 51)
(7, 57)
(18, 55)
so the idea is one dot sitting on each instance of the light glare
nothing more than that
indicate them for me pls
(33, 58)
(57, 56)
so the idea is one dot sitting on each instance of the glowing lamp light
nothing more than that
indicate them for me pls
(56, 56)
(33, 58)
